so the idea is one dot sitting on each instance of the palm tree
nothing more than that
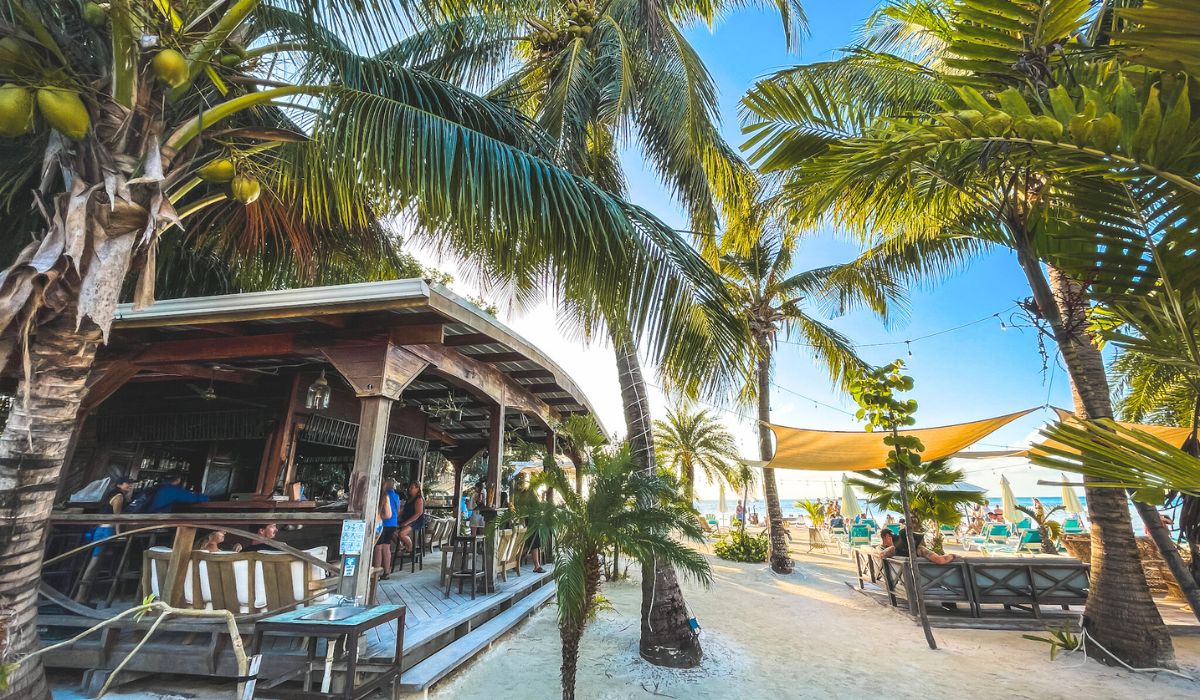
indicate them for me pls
(581, 436)
(1050, 530)
(598, 76)
(153, 131)
(690, 440)
(771, 299)
(868, 140)
(930, 501)
(614, 514)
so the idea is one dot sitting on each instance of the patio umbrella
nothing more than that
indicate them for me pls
(851, 508)
(1008, 502)
(1070, 500)
(721, 506)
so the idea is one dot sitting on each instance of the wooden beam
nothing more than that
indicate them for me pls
(177, 565)
(268, 472)
(496, 357)
(378, 370)
(218, 373)
(104, 382)
(495, 454)
(531, 374)
(456, 341)
(550, 388)
(366, 483)
(562, 402)
(494, 384)
(247, 346)
(417, 334)
(331, 321)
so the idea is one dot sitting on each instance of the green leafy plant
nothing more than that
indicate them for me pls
(1062, 638)
(931, 503)
(815, 511)
(1050, 530)
(738, 545)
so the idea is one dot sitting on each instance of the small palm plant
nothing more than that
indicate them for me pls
(625, 508)
(816, 511)
(1050, 530)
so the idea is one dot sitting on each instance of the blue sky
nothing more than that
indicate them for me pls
(975, 372)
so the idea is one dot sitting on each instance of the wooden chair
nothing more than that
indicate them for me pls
(154, 576)
(504, 545)
(280, 580)
(513, 561)
(416, 557)
(226, 580)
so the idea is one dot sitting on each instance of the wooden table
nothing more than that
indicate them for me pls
(253, 505)
(347, 631)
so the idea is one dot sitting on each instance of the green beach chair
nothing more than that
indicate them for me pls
(949, 533)
(1073, 526)
(859, 535)
(895, 528)
(1030, 543)
(995, 534)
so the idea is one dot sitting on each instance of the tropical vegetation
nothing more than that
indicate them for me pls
(692, 440)
(739, 545)
(248, 136)
(626, 508)
(1049, 529)
(771, 298)
(1060, 129)
(932, 500)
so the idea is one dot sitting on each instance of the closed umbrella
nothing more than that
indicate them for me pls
(721, 507)
(1009, 503)
(1070, 501)
(850, 505)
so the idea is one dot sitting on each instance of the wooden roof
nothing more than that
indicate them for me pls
(268, 331)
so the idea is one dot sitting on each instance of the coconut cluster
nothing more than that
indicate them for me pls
(576, 21)
(30, 87)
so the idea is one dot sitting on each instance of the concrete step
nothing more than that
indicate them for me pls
(433, 669)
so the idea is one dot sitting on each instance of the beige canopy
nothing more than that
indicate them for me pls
(835, 450)
(1166, 433)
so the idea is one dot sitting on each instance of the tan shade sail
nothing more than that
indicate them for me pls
(1166, 433)
(835, 450)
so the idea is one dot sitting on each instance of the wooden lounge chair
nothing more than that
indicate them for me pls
(226, 580)
(509, 558)
(940, 583)
(280, 580)
(154, 574)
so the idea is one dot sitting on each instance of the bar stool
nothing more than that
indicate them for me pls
(469, 551)
(416, 557)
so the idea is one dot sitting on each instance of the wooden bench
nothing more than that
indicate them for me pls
(1021, 583)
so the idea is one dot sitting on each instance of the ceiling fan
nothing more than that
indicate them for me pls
(209, 393)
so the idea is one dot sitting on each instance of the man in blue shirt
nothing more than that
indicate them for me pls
(169, 492)
(382, 555)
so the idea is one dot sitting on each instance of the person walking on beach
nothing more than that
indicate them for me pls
(739, 514)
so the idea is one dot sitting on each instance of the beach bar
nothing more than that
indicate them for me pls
(291, 408)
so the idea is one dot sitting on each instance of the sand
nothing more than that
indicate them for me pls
(800, 636)
(768, 637)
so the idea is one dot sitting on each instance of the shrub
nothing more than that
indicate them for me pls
(737, 545)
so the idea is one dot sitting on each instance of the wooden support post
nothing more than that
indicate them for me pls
(495, 454)
(177, 565)
(366, 483)
(551, 452)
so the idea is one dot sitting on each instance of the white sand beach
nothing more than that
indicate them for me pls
(803, 636)
(765, 636)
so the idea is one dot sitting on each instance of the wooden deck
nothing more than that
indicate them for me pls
(431, 613)
(441, 633)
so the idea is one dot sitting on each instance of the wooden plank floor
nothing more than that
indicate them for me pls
(428, 606)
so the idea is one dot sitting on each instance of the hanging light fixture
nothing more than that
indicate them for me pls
(318, 393)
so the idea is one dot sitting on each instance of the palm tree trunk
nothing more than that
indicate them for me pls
(569, 634)
(1120, 613)
(578, 476)
(667, 638)
(32, 448)
(781, 559)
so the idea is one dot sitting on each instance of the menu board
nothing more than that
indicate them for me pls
(353, 533)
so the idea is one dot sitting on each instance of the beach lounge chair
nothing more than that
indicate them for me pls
(713, 522)
(949, 533)
(871, 525)
(860, 535)
(1022, 527)
(1073, 526)
(1030, 542)
(993, 534)
(895, 528)
(816, 540)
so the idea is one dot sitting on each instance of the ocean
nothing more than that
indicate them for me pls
(791, 510)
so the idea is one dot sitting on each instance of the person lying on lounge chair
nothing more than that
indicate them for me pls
(898, 547)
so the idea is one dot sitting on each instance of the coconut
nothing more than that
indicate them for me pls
(229, 60)
(170, 67)
(245, 189)
(94, 15)
(65, 111)
(219, 170)
(16, 111)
